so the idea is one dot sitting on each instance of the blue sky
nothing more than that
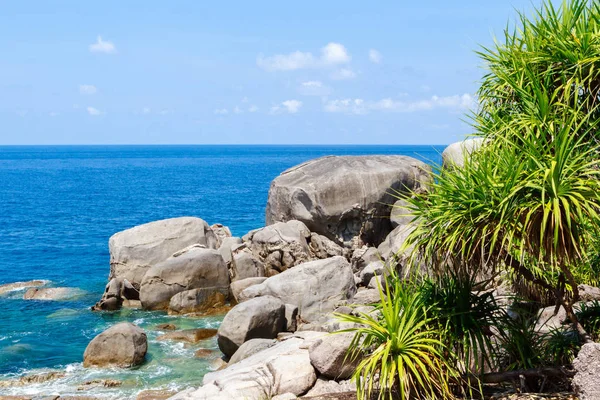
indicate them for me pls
(200, 72)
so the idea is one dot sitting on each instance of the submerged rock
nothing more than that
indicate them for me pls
(346, 198)
(134, 251)
(122, 345)
(57, 293)
(9, 287)
(188, 335)
(193, 268)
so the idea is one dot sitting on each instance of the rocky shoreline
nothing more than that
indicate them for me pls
(332, 230)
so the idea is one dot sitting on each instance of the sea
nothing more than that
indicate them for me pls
(58, 207)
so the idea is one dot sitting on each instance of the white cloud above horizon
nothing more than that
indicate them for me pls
(94, 112)
(289, 106)
(360, 106)
(102, 46)
(314, 88)
(221, 111)
(375, 56)
(87, 89)
(253, 108)
(343, 74)
(332, 54)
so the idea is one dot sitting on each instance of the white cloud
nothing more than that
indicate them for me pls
(221, 111)
(146, 110)
(343, 74)
(314, 88)
(289, 106)
(87, 89)
(375, 56)
(360, 106)
(53, 114)
(332, 54)
(253, 109)
(292, 106)
(237, 110)
(102, 46)
(165, 112)
(94, 111)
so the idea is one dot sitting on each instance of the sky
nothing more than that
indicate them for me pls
(262, 72)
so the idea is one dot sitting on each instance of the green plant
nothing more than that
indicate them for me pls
(561, 346)
(589, 316)
(406, 358)
(465, 316)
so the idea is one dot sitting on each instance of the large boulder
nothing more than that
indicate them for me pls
(586, 365)
(346, 198)
(201, 300)
(116, 292)
(250, 348)
(315, 287)
(280, 246)
(134, 251)
(246, 265)
(330, 356)
(237, 287)
(282, 368)
(259, 318)
(455, 154)
(195, 268)
(122, 345)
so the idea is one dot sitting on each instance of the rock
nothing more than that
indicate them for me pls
(32, 379)
(135, 250)
(281, 246)
(283, 368)
(392, 245)
(246, 265)
(166, 327)
(221, 231)
(188, 335)
(377, 282)
(192, 269)
(238, 287)
(117, 290)
(206, 353)
(250, 348)
(586, 365)
(322, 247)
(455, 154)
(57, 293)
(291, 317)
(10, 287)
(109, 383)
(400, 215)
(364, 256)
(132, 304)
(372, 269)
(346, 198)
(262, 317)
(198, 300)
(315, 287)
(323, 386)
(330, 357)
(588, 293)
(366, 296)
(122, 345)
(547, 321)
(285, 396)
(155, 394)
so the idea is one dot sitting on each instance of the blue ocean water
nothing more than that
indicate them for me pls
(60, 204)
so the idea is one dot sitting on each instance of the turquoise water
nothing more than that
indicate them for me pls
(60, 204)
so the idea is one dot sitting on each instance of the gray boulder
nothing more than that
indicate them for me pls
(455, 154)
(315, 287)
(330, 357)
(588, 293)
(221, 231)
(327, 387)
(281, 246)
(400, 215)
(374, 268)
(115, 293)
(321, 247)
(198, 300)
(346, 198)
(259, 318)
(393, 247)
(135, 250)
(282, 368)
(238, 287)
(55, 293)
(586, 365)
(246, 265)
(250, 348)
(194, 268)
(122, 345)
(363, 256)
